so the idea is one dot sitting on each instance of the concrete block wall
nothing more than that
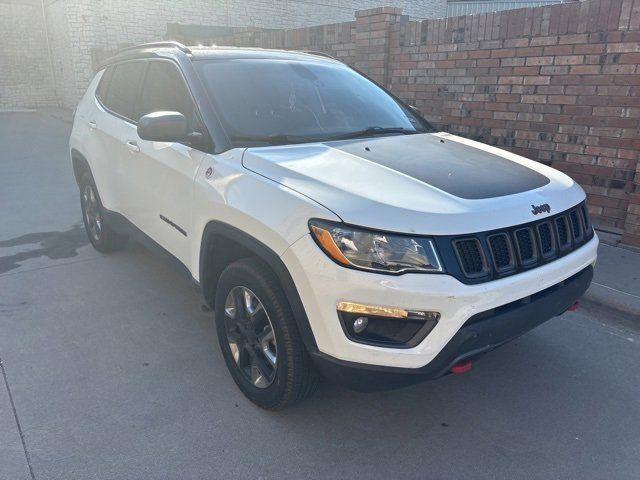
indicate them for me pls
(25, 71)
(56, 17)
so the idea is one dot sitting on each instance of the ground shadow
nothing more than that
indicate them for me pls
(54, 245)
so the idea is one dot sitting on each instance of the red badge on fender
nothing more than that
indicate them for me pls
(209, 172)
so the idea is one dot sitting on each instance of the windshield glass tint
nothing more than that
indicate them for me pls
(301, 101)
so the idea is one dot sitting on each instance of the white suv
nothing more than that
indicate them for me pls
(331, 228)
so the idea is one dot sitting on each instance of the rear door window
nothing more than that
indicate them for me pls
(123, 89)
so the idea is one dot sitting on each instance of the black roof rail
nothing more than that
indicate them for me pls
(165, 44)
(320, 54)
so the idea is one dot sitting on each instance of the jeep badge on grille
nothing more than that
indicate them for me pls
(536, 209)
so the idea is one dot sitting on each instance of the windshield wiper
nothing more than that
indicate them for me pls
(274, 139)
(371, 131)
(284, 139)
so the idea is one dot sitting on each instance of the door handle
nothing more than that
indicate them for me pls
(92, 124)
(133, 146)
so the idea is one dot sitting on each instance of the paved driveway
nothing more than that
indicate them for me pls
(111, 370)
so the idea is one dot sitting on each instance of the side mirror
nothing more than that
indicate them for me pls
(163, 127)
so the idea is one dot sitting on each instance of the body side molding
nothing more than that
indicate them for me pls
(174, 225)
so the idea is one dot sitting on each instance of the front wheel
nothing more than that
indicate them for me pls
(259, 338)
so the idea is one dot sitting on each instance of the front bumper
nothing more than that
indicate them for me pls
(321, 284)
(480, 334)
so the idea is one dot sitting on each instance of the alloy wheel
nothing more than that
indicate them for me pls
(251, 337)
(92, 215)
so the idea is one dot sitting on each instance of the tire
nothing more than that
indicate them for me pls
(103, 238)
(272, 385)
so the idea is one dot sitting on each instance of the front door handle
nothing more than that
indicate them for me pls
(133, 146)
(92, 124)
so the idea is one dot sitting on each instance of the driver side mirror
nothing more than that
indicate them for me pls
(163, 127)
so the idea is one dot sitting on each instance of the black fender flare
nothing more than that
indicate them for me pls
(80, 165)
(215, 228)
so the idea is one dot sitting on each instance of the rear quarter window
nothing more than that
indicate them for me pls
(101, 91)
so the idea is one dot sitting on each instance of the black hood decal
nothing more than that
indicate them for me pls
(455, 168)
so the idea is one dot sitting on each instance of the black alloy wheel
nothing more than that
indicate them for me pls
(92, 215)
(251, 337)
(259, 336)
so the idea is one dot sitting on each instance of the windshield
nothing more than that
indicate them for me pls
(284, 101)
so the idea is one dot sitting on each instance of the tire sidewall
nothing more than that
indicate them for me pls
(272, 302)
(85, 181)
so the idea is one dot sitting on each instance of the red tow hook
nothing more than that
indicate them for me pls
(573, 307)
(463, 366)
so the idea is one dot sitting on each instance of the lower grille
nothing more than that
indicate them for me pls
(522, 247)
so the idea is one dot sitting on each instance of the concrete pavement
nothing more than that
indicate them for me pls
(115, 373)
(616, 283)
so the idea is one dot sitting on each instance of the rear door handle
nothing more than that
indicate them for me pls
(92, 124)
(133, 146)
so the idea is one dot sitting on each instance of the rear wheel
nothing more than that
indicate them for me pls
(101, 235)
(259, 338)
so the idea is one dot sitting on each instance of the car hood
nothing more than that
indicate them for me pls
(432, 184)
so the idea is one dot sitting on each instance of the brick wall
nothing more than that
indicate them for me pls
(557, 84)
(25, 71)
(337, 40)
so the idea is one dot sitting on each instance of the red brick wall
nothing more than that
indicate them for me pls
(558, 84)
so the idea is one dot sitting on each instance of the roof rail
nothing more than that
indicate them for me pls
(166, 44)
(320, 54)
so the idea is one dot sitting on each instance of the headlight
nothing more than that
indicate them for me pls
(376, 251)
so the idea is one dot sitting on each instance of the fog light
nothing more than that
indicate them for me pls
(359, 324)
(385, 326)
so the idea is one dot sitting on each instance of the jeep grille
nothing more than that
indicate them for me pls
(522, 247)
